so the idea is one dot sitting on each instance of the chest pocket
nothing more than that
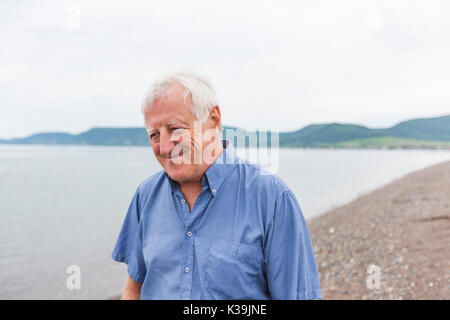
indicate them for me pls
(232, 269)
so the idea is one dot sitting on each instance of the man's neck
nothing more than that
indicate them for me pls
(191, 189)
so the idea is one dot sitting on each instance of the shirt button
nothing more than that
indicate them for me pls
(189, 234)
(183, 201)
(213, 190)
(186, 269)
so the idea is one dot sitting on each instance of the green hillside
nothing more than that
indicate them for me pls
(426, 129)
(114, 136)
(326, 133)
(417, 133)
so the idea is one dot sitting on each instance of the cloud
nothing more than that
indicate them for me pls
(275, 65)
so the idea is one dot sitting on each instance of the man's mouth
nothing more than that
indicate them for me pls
(177, 159)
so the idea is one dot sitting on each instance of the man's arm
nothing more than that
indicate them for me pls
(291, 268)
(131, 290)
(128, 249)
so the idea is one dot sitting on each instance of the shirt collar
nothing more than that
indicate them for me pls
(221, 167)
(216, 174)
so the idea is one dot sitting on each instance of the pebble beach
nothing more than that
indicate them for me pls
(401, 231)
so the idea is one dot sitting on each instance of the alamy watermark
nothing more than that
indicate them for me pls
(74, 280)
(260, 147)
(373, 281)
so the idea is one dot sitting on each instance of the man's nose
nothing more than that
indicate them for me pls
(165, 145)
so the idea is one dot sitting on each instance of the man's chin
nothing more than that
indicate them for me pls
(178, 172)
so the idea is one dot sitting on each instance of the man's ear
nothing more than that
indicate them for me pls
(215, 117)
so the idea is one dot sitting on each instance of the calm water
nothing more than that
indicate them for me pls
(64, 205)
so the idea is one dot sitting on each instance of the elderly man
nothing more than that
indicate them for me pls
(210, 225)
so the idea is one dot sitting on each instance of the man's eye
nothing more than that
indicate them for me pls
(153, 135)
(176, 131)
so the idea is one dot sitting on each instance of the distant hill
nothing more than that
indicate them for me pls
(435, 129)
(43, 138)
(114, 136)
(426, 129)
(326, 133)
(416, 133)
(94, 136)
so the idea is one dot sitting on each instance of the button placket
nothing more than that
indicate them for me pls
(190, 221)
(188, 261)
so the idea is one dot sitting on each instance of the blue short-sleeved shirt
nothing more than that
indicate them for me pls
(246, 237)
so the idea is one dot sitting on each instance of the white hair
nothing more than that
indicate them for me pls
(198, 88)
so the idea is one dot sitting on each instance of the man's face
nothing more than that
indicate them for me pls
(170, 125)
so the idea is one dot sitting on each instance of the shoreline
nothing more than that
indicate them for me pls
(401, 228)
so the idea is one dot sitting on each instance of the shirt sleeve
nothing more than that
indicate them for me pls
(291, 268)
(128, 248)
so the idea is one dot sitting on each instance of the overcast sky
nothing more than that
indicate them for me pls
(72, 65)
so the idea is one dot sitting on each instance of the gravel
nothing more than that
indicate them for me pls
(393, 243)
